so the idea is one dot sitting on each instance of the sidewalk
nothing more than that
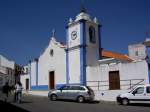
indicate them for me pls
(8, 106)
(38, 93)
(9, 99)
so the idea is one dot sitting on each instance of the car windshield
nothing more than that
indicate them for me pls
(132, 90)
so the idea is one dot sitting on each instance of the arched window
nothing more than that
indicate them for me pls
(51, 52)
(92, 34)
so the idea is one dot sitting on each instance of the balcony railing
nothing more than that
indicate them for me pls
(124, 84)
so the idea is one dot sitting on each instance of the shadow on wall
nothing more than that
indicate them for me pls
(7, 107)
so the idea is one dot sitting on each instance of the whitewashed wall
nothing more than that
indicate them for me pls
(33, 73)
(56, 63)
(5, 66)
(137, 51)
(23, 80)
(134, 70)
(6, 63)
(127, 71)
(92, 49)
(74, 66)
(93, 73)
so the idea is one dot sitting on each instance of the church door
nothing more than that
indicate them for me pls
(51, 80)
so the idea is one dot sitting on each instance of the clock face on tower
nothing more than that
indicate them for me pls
(74, 35)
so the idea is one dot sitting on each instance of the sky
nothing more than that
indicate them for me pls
(26, 25)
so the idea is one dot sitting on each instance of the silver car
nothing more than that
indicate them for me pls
(72, 92)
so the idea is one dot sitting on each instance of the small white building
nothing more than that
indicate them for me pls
(82, 61)
(7, 71)
(24, 78)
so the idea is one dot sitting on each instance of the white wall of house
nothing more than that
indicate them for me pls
(3, 70)
(127, 71)
(23, 80)
(134, 70)
(33, 73)
(93, 73)
(25, 76)
(6, 63)
(6, 71)
(137, 51)
(93, 76)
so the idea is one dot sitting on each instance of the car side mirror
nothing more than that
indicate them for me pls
(134, 92)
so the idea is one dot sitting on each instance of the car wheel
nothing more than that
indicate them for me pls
(80, 99)
(53, 97)
(125, 101)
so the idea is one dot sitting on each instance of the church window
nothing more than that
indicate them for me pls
(51, 52)
(92, 37)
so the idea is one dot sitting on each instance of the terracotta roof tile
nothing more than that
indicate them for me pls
(119, 56)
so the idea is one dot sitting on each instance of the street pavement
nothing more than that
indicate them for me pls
(43, 104)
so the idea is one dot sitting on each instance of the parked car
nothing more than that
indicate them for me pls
(72, 92)
(140, 94)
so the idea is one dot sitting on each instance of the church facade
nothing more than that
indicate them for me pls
(82, 61)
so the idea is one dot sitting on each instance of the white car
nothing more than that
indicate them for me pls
(140, 94)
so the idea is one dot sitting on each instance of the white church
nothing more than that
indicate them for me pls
(82, 61)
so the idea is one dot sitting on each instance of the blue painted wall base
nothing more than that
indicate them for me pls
(44, 87)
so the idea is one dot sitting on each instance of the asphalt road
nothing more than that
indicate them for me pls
(43, 104)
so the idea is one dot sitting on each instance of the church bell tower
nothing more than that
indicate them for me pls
(83, 47)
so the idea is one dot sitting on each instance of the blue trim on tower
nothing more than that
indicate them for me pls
(99, 39)
(67, 58)
(82, 53)
(81, 66)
